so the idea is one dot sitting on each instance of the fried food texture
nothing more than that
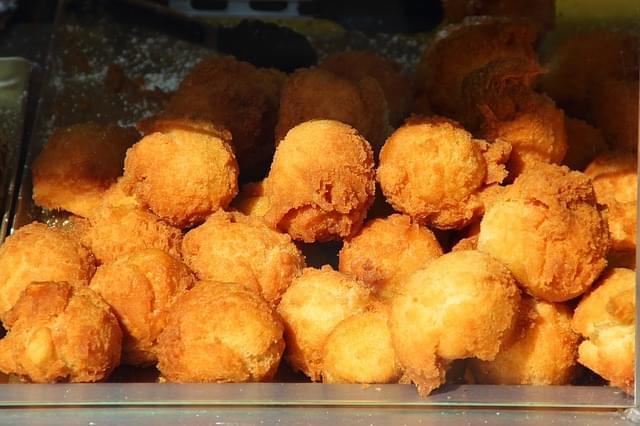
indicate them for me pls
(314, 304)
(183, 171)
(316, 93)
(220, 332)
(386, 251)
(614, 109)
(548, 230)
(232, 247)
(463, 304)
(584, 142)
(321, 182)
(60, 332)
(542, 12)
(606, 318)
(252, 200)
(543, 351)
(78, 164)
(141, 288)
(36, 252)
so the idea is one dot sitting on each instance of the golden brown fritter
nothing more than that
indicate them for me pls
(543, 352)
(584, 141)
(78, 164)
(549, 232)
(463, 304)
(140, 288)
(252, 200)
(315, 93)
(36, 252)
(60, 332)
(614, 109)
(314, 304)
(542, 12)
(232, 247)
(182, 171)
(358, 64)
(433, 170)
(386, 251)
(321, 182)
(606, 318)
(220, 332)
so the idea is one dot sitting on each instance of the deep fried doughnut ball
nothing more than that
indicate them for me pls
(252, 199)
(463, 304)
(60, 332)
(584, 141)
(321, 182)
(543, 352)
(614, 109)
(220, 332)
(542, 12)
(78, 164)
(314, 304)
(183, 171)
(140, 288)
(232, 247)
(549, 232)
(386, 251)
(606, 318)
(36, 252)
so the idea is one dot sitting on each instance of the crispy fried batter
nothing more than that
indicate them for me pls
(614, 109)
(584, 142)
(252, 199)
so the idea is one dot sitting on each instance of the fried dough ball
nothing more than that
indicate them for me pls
(386, 251)
(606, 318)
(220, 332)
(543, 352)
(359, 350)
(615, 180)
(316, 93)
(433, 170)
(60, 332)
(542, 12)
(140, 288)
(232, 247)
(116, 196)
(614, 109)
(356, 65)
(314, 304)
(463, 304)
(36, 252)
(547, 229)
(321, 182)
(183, 171)
(584, 141)
(238, 96)
(78, 164)
(252, 199)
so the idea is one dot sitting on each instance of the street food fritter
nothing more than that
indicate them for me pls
(584, 142)
(359, 64)
(36, 252)
(182, 171)
(463, 304)
(614, 109)
(220, 332)
(548, 230)
(232, 247)
(252, 199)
(434, 171)
(60, 332)
(316, 93)
(606, 318)
(541, 12)
(542, 352)
(140, 288)
(314, 304)
(386, 251)
(78, 164)
(321, 182)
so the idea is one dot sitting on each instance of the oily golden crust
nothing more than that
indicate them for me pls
(386, 251)
(614, 109)
(314, 304)
(356, 65)
(36, 252)
(360, 350)
(252, 200)
(556, 240)
(606, 318)
(321, 182)
(78, 164)
(232, 247)
(584, 142)
(542, 12)
(220, 332)
(183, 171)
(140, 288)
(316, 93)
(463, 304)
(60, 332)
(542, 352)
